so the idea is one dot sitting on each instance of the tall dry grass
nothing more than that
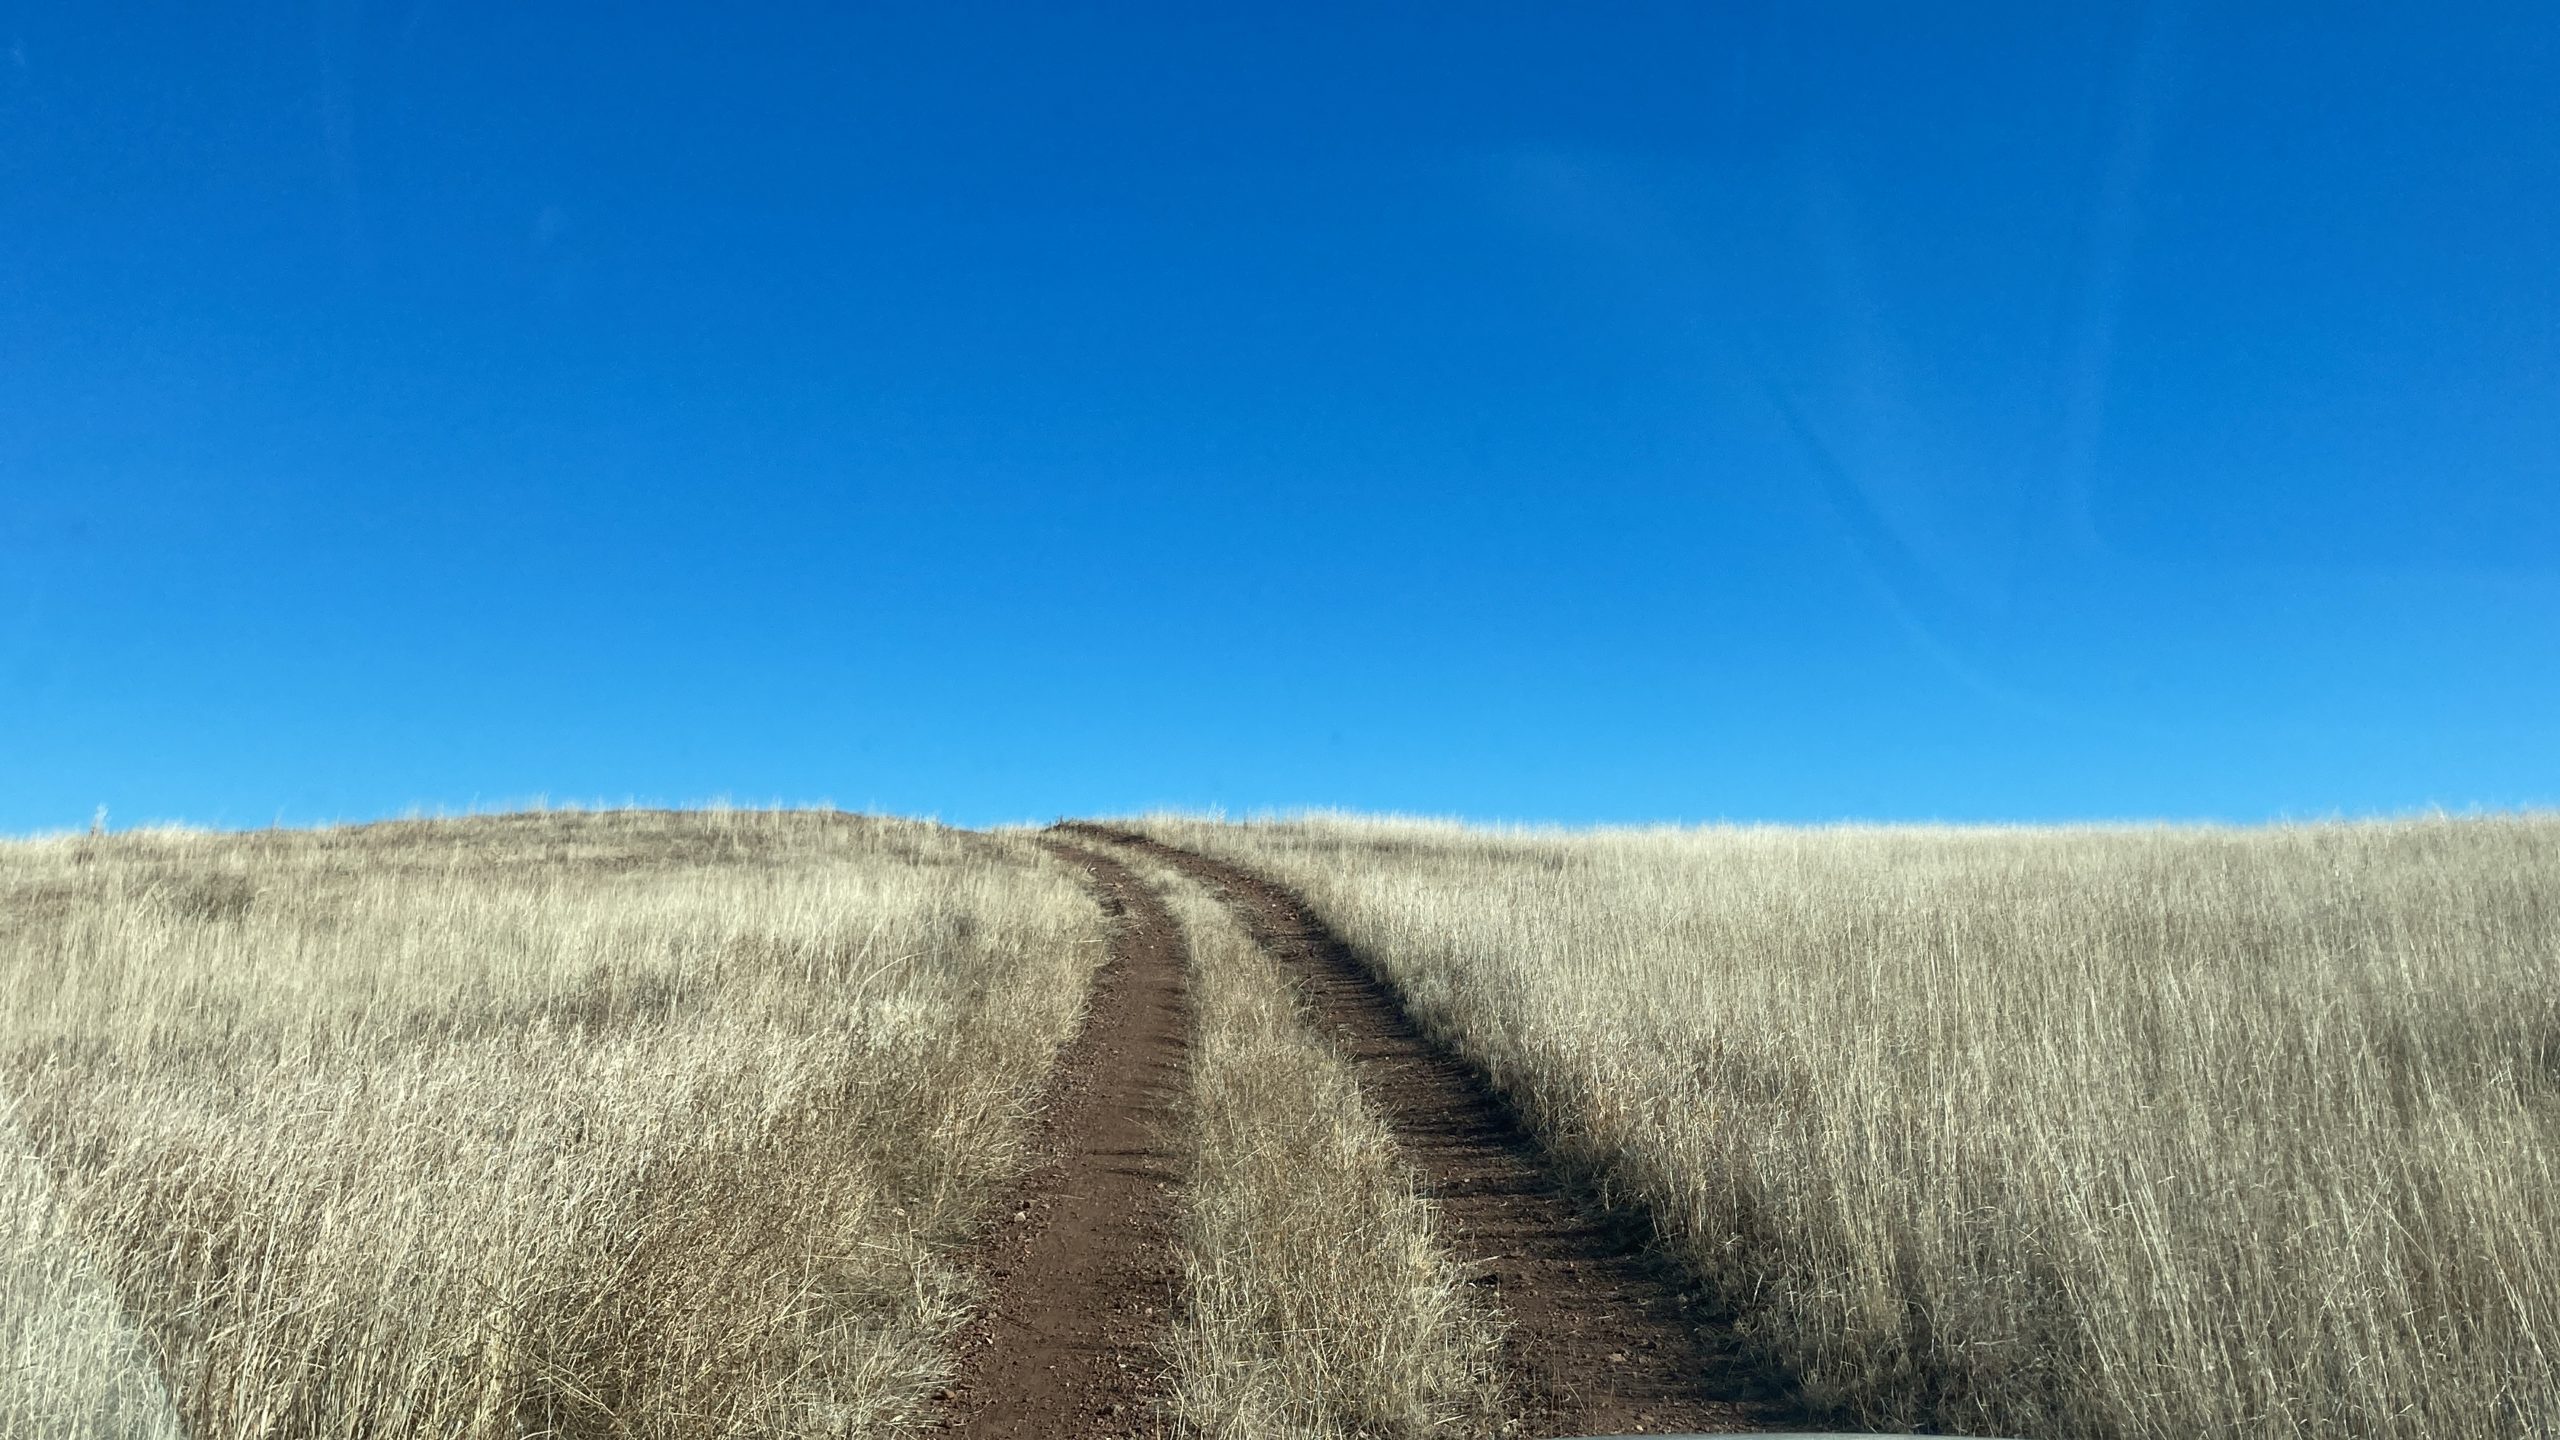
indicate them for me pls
(2081, 1132)
(623, 1124)
(1318, 1303)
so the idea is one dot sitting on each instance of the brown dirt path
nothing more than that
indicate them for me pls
(1604, 1338)
(1082, 1265)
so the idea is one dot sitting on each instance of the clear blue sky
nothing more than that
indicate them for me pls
(1770, 410)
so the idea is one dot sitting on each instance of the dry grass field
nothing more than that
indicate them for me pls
(676, 1125)
(564, 1125)
(2081, 1132)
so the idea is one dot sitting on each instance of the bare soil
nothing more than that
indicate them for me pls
(1604, 1336)
(1081, 1264)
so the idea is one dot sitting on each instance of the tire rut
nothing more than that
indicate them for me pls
(1604, 1337)
(1082, 1265)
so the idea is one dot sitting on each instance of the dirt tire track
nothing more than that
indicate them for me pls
(1604, 1338)
(1082, 1264)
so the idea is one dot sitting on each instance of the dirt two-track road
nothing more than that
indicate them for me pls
(1082, 1266)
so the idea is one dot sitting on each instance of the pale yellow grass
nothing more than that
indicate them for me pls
(2085, 1132)
(71, 1364)
(1318, 1303)
(628, 1124)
